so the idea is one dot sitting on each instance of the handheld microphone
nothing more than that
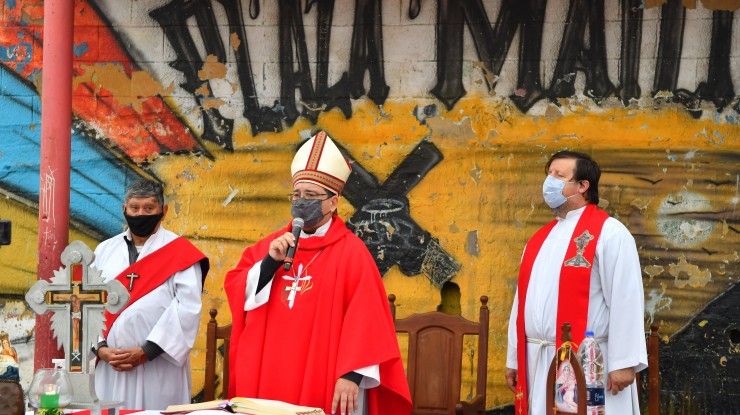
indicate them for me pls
(296, 231)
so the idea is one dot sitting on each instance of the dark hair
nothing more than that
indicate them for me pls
(145, 188)
(586, 169)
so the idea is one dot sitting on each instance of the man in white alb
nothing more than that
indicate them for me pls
(582, 268)
(144, 358)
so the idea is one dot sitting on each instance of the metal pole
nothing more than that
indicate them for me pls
(56, 125)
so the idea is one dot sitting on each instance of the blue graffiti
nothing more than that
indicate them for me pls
(98, 179)
(11, 53)
(80, 49)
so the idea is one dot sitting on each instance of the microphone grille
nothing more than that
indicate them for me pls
(298, 222)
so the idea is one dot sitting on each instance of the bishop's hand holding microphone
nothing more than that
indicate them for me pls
(282, 249)
(296, 232)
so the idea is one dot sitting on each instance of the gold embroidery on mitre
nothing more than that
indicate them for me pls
(581, 242)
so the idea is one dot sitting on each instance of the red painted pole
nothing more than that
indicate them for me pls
(56, 125)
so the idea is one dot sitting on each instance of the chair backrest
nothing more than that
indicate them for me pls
(435, 353)
(653, 386)
(214, 332)
(653, 350)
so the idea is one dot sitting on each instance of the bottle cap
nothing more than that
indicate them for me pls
(589, 333)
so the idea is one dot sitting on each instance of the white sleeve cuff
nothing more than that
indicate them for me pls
(254, 299)
(370, 376)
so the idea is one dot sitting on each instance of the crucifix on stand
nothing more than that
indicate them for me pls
(78, 300)
(77, 297)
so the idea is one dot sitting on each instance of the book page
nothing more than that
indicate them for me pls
(187, 408)
(255, 406)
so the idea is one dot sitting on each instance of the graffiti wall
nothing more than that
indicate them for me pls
(448, 112)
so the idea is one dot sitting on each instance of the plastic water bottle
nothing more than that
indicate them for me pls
(592, 362)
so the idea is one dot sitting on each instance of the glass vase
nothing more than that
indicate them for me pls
(50, 389)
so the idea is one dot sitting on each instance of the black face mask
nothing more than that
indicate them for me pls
(308, 210)
(143, 225)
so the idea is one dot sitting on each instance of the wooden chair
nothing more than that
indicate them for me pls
(653, 386)
(435, 354)
(214, 332)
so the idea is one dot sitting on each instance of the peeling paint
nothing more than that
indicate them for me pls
(203, 91)
(489, 76)
(653, 271)
(231, 196)
(453, 228)
(674, 223)
(640, 204)
(212, 69)
(80, 49)
(476, 173)
(685, 274)
(720, 4)
(234, 41)
(446, 127)
(212, 103)
(112, 79)
(471, 244)
(656, 302)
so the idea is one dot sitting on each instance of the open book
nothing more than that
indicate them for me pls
(249, 406)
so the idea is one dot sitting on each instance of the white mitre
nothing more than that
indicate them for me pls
(320, 162)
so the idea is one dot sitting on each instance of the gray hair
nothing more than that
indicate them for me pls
(145, 188)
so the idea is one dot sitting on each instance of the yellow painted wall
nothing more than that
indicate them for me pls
(489, 182)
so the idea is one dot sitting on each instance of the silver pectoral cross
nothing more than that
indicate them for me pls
(131, 277)
(294, 288)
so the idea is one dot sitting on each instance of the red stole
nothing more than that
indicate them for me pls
(573, 292)
(156, 268)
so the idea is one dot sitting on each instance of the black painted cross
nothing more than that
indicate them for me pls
(382, 219)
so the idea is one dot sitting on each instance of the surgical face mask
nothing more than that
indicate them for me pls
(143, 225)
(552, 191)
(309, 210)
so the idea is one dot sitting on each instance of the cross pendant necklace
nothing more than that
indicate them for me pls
(294, 288)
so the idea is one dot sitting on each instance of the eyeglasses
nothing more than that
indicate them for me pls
(308, 196)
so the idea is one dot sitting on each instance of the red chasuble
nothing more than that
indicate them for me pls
(573, 292)
(154, 269)
(339, 322)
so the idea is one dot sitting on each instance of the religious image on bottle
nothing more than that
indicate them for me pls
(566, 390)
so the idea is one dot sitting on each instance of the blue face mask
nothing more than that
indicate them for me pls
(552, 191)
